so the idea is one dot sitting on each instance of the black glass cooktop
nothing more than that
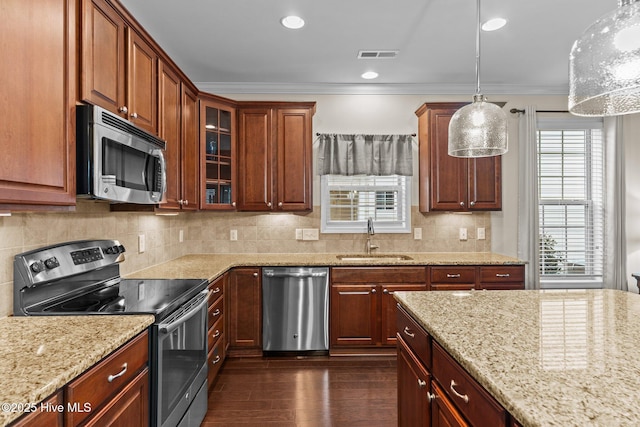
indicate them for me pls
(129, 296)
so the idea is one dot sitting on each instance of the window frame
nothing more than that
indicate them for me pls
(360, 226)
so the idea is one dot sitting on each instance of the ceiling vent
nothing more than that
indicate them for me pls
(377, 54)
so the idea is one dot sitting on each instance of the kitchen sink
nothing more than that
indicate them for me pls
(374, 257)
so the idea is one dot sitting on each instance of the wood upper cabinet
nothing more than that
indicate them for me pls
(449, 183)
(362, 307)
(244, 314)
(118, 66)
(189, 163)
(274, 156)
(217, 153)
(37, 104)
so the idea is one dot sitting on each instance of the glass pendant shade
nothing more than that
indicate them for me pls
(478, 130)
(604, 65)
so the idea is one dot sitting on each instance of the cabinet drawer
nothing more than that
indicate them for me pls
(378, 274)
(453, 274)
(105, 379)
(214, 360)
(466, 394)
(215, 312)
(217, 290)
(415, 337)
(215, 332)
(502, 274)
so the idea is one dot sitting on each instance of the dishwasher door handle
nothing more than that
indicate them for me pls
(296, 275)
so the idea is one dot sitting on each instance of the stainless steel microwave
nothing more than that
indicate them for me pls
(116, 160)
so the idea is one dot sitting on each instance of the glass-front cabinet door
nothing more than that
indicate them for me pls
(217, 155)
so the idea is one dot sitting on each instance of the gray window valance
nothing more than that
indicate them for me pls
(365, 155)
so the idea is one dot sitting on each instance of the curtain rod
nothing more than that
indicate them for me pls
(413, 134)
(515, 111)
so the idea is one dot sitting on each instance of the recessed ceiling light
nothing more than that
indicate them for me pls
(292, 22)
(494, 24)
(369, 75)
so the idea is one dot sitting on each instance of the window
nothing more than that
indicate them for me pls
(571, 211)
(348, 201)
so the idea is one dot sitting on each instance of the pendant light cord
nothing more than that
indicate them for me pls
(478, 49)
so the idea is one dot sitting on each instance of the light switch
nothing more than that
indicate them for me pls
(481, 235)
(463, 233)
(141, 244)
(417, 233)
(233, 235)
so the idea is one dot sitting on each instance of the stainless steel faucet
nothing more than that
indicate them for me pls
(370, 232)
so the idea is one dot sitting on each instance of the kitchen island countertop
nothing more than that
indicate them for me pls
(40, 354)
(211, 266)
(550, 358)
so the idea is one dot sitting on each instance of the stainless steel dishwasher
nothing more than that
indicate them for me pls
(295, 309)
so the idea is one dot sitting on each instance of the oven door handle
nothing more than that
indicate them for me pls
(184, 314)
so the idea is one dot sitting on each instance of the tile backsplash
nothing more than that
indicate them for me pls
(209, 232)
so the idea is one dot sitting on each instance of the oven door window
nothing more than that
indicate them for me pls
(129, 167)
(182, 354)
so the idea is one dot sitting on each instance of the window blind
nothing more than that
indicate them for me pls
(348, 201)
(571, 193)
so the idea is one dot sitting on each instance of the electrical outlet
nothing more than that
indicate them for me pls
(181, 236)
(417, 233)
(141, 244)
(140, 291)
(310, 234)
(462, 233)
(481, 234)
(233, 235)
(299, 234)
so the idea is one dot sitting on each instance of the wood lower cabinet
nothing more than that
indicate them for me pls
(443, 413)
(362, 307)
(216, 338)
(449, 183)
(46, 417)
(274, 156)
(37, 104)
(479, 277)
(244, 316)
(414, 401)
(117, 388)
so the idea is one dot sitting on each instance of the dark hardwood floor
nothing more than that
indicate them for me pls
(305, 392)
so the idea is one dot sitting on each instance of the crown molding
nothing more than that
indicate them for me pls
(375, 89)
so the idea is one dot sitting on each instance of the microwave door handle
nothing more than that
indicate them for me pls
(163, 165)
(167, 328)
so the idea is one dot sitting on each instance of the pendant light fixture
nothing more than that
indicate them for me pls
(478, 129)
(604, 65)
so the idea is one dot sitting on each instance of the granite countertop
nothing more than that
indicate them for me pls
(40, 354)
(551, 358)
(212, 265)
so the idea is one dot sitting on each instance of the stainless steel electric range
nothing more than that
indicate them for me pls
(83, 278)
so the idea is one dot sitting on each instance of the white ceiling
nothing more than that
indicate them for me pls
(239, 46)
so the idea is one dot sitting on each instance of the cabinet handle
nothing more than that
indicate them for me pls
(216, 333)
(385, 291)
(462, 204)
(123, 109)
(216, 360)
(503, 275)
(216, 313)
(430, 396)
(408, 332)
(373, 291)
(461, 396)
(269, 204)
(216, 290)
(453, 276)
(422, 383)
(110, 378)
(134, 115)
(472, 204)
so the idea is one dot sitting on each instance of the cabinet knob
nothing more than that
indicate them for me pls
(422, 383)
(472, 204)
(233, 204)
(123, 109)
(462, 204)
(186, 202)
(279, 204)
(373, 291)
(385, 291)
(180, 202)
(255, 274)
(269, 204)
(430, 397)
(134, 116)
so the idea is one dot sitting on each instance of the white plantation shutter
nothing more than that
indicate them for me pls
(571, 198)
(348, 201)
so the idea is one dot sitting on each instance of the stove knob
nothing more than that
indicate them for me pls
(52, 263)
(110, 250)
(121, 249)
(37, 267)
